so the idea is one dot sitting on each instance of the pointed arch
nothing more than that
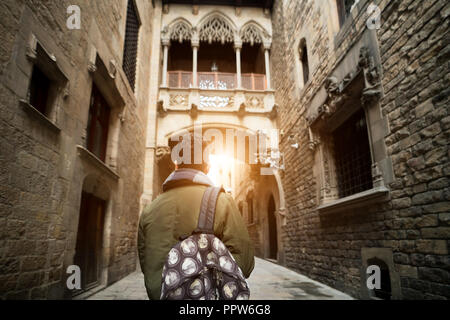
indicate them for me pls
(179, 30)
(252, 33)
(216, 27)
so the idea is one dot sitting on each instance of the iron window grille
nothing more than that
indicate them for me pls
(131, 43)
(352, 154)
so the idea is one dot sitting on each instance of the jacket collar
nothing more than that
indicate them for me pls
(186, 176)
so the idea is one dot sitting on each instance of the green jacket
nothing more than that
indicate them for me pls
(174, 214)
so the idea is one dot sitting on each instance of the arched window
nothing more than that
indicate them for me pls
(304, 63)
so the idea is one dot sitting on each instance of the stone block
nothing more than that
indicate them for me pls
(436, 156)
(437, 207)
(427, 197)
(401, 203)
(437, 261)
(444, 218)
(416, 163)
(436, 233)
(427, 221)
(440, 289)
(407, 271)
(28, 280)
(438, 184)
(432, 246)
(434, 275)
(424, 108)
(15, 229)
(33, 263)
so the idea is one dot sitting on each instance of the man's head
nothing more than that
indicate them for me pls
(196, 144)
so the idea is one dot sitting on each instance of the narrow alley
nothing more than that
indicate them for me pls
(326, 123)
(268, 281)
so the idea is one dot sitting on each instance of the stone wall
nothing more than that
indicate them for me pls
(44, 167)
(413, 224)
(42, 170)
(250, 183)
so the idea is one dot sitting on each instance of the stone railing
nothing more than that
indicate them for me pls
(216, 91)
(216, 80)
(220, 100)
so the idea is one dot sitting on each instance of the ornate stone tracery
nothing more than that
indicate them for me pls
(251, 34)
(180, 31)
(161, 152)
(216, 101)
(372, 81)
(179, 100)
(363, 83)
(216, 29)
(337, 92)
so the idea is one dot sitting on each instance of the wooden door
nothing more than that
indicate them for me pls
(89, 239)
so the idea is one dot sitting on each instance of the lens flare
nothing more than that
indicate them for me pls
(220, 170)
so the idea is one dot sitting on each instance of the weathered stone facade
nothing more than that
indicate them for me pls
(44, 161)
(316, 68)
(410, 230)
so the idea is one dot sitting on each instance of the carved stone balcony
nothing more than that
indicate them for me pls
(216, 80)
(216, 91)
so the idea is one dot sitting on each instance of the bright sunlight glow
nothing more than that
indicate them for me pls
(220, 167)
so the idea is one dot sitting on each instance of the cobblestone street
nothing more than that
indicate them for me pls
(268, 281)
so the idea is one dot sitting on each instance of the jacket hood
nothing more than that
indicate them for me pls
(186, 176)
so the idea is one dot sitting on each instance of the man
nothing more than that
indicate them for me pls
(174, 214)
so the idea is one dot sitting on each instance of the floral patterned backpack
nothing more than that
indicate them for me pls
(200, 267)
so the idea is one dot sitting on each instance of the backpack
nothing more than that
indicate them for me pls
(200, 267)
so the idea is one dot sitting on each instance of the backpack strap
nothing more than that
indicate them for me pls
(208, 210)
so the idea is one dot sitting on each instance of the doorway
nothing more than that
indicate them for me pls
(89, 239)
(273, 238)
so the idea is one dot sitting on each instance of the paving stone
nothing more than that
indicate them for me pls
(268, 281)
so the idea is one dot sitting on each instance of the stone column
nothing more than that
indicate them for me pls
(195, 45)
(267, 62)
(166, 44)
(237, 48)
